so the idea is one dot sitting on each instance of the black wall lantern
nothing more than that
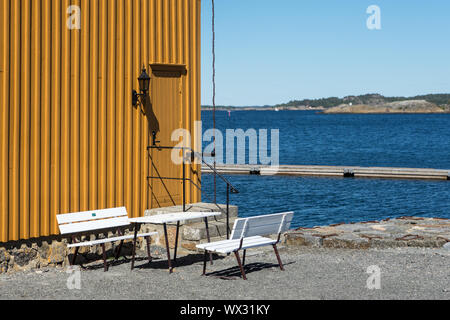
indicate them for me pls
(144, 85)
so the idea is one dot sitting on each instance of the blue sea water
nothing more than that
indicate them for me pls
(309, 138)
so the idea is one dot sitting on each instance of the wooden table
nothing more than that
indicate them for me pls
(164, 219)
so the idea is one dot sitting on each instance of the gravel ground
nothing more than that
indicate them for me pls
(406, 273)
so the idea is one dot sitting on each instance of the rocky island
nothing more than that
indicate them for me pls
(408, 106)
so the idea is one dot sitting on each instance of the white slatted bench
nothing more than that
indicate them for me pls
(249, 233)
(98, 221)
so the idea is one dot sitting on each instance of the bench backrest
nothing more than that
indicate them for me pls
(262, 225)
(92, 220)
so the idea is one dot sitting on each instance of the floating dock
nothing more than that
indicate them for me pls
(334, 171)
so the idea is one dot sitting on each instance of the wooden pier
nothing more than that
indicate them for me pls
(334, 171)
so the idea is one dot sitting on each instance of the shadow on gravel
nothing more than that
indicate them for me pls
(157, 262)
(234, 273)
(181, 262)
(111, 263)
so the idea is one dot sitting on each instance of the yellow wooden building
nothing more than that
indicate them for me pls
(70, 138)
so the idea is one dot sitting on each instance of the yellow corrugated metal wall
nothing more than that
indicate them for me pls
(70, 139)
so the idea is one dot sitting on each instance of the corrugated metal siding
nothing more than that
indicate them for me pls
(69, 137)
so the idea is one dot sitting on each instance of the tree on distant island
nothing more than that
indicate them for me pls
(438, 99)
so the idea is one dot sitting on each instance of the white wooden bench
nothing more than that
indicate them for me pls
(98, 221)
(249, 233)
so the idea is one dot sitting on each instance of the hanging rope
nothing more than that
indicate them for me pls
(214, 92)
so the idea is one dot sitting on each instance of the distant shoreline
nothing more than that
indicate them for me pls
(404, 107)
(324, 111)
(367, 103)
(263, 109)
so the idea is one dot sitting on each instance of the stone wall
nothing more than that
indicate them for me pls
(53, 252)
(32, 254)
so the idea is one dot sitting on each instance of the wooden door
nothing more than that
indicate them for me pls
(165, 116)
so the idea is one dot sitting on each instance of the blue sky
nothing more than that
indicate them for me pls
(271, 52)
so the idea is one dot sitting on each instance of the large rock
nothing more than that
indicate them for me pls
(418, 106)
(346, 241)
(303, 240)
(57, 253)
(24, 256)
(4, 260)
(195, 207)
(395, 233)
(408, 106)
(4, 255)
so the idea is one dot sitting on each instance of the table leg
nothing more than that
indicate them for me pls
(149, 253)
(205, 258)
(209, 239)
(75, 256)
(167, 248)
(134, 246)
(119, 249)
(176, 243)
(105, 265)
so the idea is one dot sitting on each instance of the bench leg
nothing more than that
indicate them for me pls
(209, 239)
(134, 246)
(148, 239)
(236, 253)
(105, 265)
(278, 257)
(205, 259)
(119, 249)
(74, 256)
(243, 258)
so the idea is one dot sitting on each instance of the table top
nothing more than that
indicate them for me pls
(173, 217)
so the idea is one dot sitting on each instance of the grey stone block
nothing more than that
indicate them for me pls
(197, 231)
(300, 239)
(195, 207)
(346, 241)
